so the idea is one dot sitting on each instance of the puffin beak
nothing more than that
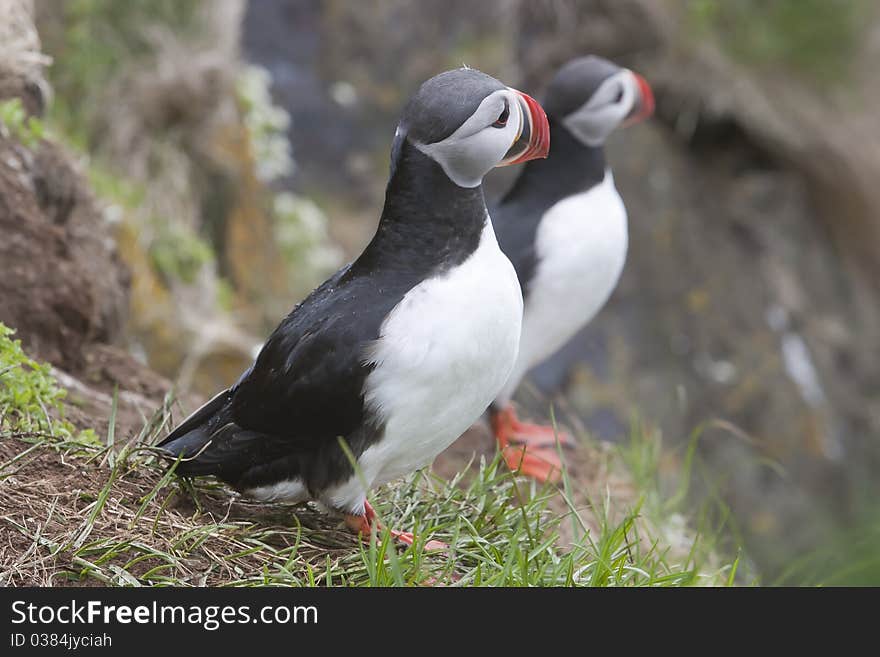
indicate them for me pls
(643, 107)
(533, 141)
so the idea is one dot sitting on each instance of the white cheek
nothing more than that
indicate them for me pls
(593, 125)
(599, 117)
(627, 101)
(467, 160)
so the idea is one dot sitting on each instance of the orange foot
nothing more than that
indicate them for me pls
(364, 524)
(529, 448)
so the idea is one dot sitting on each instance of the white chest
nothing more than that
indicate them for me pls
(581, 247)
(444, 353)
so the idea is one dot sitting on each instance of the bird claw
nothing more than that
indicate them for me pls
(364, 524)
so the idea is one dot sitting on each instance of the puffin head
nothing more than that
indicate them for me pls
(469, 122)
(592, 97)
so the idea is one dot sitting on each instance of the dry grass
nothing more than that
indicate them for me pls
(69, 516)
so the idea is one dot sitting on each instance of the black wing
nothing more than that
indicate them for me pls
(305, 387)
(307, 381)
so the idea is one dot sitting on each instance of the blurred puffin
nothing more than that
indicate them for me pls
(564, 227)
(399, 351)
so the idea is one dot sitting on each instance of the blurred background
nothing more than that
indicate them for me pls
(214, 161)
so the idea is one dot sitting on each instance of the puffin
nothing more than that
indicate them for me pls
(563, 225)
(387, 362)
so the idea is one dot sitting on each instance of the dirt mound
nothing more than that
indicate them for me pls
(65, 291)
(61, 284)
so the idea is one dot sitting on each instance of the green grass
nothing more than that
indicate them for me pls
(135, 523)
(111, 511)
(15, 122)
(31, 401)
(847, 558)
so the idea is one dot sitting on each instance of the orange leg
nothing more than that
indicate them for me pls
(364, 525)
(528, 448)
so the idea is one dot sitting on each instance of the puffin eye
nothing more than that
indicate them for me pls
(502, 118)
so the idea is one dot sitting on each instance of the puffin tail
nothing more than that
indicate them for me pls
(193, 435)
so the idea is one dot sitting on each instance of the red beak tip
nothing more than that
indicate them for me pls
(539, 144)
(647, 98)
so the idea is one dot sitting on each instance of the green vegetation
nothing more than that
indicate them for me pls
(266, 123)
(31, 401)
(815, 38)
(847, 558)
(177, 253)
(92, 39)
(15, 122)
(111, 187)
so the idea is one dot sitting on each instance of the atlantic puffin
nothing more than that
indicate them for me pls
(564, 227)
(397, 353)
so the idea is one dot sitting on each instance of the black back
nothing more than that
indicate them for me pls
(570, 168)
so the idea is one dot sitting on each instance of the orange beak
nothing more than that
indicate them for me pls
(643, 108)
(533, 141)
